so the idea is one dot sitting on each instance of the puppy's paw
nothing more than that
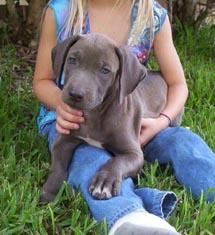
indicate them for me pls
(105, 185)
(46, 197)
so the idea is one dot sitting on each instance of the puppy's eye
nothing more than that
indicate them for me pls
(72, 60)
(104, 70)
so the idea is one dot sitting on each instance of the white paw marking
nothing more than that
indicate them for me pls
(107, 192)
(96, 191)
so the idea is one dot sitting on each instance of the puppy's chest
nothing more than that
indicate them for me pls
(91, 141)
(91, 133)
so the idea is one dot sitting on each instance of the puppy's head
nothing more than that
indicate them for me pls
(94, 68)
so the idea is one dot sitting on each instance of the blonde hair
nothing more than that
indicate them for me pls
(144, 20)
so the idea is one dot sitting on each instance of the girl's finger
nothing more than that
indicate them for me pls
(67, 108)
(69, 116)
(62, 130)
(67, 125)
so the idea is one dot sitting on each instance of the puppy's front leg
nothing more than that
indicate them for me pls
(126, 163)
(61, 156)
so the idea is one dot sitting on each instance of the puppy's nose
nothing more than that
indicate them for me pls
(76, 95)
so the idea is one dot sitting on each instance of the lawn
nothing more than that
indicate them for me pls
(25, 161)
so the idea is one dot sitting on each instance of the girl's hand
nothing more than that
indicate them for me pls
(68, 118)
(150, 127)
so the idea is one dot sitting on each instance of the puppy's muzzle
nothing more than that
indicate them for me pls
(76, 96)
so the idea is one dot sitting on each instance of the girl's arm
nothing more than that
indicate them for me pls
(43, 82)
(173, 74)
(171, 70)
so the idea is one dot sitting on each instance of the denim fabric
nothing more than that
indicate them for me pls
(86, 162)
(191, 158)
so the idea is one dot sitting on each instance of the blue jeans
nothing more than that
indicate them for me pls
(191, 158)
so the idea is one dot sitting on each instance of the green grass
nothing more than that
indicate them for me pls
(24, 158)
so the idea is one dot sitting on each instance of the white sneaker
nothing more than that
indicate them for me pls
(142, 223)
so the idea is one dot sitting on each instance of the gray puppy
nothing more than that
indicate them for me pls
(114, 91)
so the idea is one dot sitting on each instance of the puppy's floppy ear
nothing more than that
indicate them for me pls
(131, 72)
(60, 52)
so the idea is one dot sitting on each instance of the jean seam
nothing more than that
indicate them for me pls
(172, 207)
(160, 206)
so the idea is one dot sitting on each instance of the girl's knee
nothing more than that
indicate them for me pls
(182, 133)
(185, 139)
(180, 136)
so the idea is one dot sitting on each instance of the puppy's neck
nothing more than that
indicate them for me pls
(90, 115)
(99, 113)
(110, 98)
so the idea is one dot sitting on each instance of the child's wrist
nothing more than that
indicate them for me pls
(166, 118)
(164, 122)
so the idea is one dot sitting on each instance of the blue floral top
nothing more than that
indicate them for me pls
(141, 47)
